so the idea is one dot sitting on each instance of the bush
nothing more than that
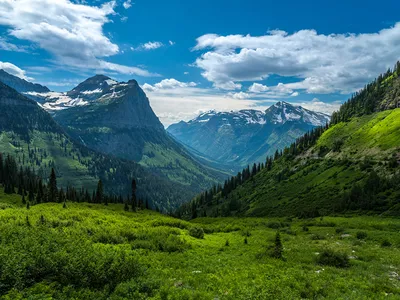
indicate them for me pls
(361, 235)
(174, 244)
(305, 228)
(196, 232)
(274, 225)
(317, 237)
(339, 230)
(386, 243)
(333, 259)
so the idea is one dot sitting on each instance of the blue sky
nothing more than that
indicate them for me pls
(192, 56)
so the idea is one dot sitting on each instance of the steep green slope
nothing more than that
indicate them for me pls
(376, 136)
(87, 251)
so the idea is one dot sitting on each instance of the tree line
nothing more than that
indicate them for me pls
(369, 99)
(34, 190)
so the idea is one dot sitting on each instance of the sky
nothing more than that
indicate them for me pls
(194, 56)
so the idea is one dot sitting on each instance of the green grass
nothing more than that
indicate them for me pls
(96, 252)
(375, 135)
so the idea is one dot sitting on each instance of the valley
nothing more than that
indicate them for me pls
(256, 179)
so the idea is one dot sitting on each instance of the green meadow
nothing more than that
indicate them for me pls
(88, 251)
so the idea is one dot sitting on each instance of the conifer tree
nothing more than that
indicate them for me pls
(134, 204)
(99, 192)
(278, 247)
(52, 187)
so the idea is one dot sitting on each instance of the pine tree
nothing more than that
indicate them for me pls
(99, 192)
(52, 187)
(278, 247)
(134, 204)
(23, 199)
(126, 206)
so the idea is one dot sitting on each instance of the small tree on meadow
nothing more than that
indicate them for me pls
(277, 252)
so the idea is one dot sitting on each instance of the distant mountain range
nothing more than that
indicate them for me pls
(246, 136)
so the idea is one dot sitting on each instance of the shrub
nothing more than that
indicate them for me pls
(274, 225)
(227, 243)
(246, 233)
(386, 243)
(196, 232)
(317, 237)
(175, 244)
(361, 235)
(305, 228)
(339, 230)
(335, 259)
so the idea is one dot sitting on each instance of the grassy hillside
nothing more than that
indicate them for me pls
(97, 252)
(376, 136)
(338, 174)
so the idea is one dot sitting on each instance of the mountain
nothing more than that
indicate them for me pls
(350, 166)
(246, 136)
(21, 85)
(35, 140)
(116, 118)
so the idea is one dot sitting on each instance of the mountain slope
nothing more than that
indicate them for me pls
(116, 118)
(352, 166)
(21, 85)
(246, 136)
(29, 133)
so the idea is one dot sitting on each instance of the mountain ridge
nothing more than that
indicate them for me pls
(246, 136)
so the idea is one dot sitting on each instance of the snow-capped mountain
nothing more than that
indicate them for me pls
(96, 88)
(246, 136)
(283, 112)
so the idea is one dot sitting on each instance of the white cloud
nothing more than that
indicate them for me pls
(228, 85)
(186, 73)
(168, 84)
(240, 95)
(13, 70)
(295, 94)
(6, 46)
(320, 106)
(72, 32)
(171, 43)
(258, 88)
(127, 4)
(323, 63)
(152, 45)
(148, 46)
